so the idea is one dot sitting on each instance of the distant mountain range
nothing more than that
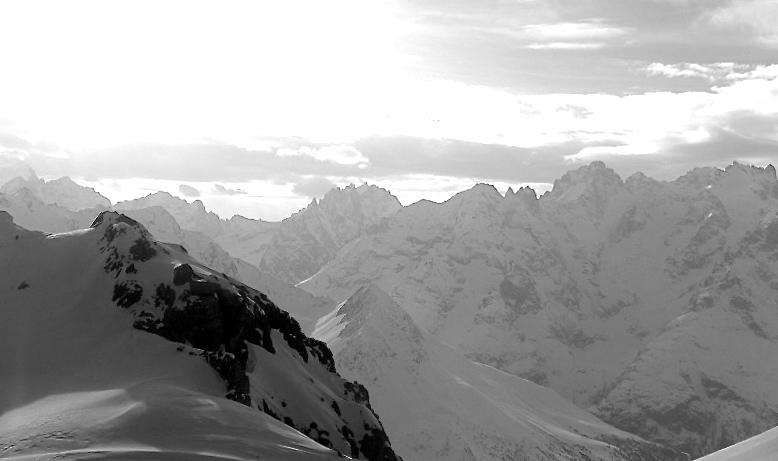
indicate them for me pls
(651, 304)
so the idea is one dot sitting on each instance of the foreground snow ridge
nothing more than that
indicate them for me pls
(763, 447)
(226, 374)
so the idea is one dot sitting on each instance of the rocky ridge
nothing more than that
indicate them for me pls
(237, 329)
(265, 361)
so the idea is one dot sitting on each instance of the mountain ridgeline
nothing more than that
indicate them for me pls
(650, 304)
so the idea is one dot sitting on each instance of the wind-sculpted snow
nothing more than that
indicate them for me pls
(578, 289)
(263, 360)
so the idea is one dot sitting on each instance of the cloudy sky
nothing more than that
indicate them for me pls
(256, 107)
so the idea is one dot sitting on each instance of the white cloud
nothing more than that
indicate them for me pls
(219, 189)
(573, 31)
(759, 17)
(569, 36)
(341, 154)
(566, 46)
(188, 191)
(313, 186)
(746, 109)
(713, 72)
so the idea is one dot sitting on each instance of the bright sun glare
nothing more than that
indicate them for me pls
(103, 73)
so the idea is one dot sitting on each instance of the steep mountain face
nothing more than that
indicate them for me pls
(63, 192)
(437, 405)
(80, 379)
(30, 213)
(310, 238)
(578, 289)
(164, 228)
(705, 382)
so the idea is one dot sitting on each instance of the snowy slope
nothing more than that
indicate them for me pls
(80, 382)
(437, 405)
(762, 447)
(573, 289)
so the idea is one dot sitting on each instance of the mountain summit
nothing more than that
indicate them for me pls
(211, 367)
(310, 238)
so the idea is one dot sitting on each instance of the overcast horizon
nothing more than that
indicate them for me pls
(256, 108)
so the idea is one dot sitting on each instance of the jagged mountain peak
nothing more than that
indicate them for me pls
(109, 218)
(479, 197)
(527, 197)
(594, 179)
(481, 190)
(375, 318)
(736, 181)
(365, 194)
(767, 172)
(311, 237)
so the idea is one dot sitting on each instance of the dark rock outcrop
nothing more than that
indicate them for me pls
(220, 319)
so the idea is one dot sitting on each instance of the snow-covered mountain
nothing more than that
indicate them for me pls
(288, 250)
(63, 192)
(762, 447)
(437, 405)
(708, 379)
(165, 228)
(310, 238)
(577, 290)
(211, 370)
(29, 212)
